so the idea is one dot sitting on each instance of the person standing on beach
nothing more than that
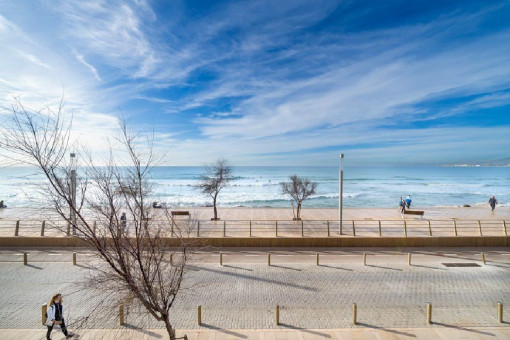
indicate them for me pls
(408, 201)
(492, 202)
(402, 205)
(56, 316)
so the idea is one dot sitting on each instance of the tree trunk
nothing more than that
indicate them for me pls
(299, 211)
(169, 329)
(214, 204)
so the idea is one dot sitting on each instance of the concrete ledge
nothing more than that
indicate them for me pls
(317, 242)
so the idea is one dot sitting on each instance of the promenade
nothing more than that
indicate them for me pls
(317, 222)
(244, 292)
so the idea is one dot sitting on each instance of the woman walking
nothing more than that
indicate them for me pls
(56, 316)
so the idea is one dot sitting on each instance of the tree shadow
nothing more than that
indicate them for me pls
(142, 330)
(462, 328)
(334, 267)
(284, 267)
(226, 331)
(386, 329)
(255, 278)
(428, 267)
(382, 267)
(236, 267)
(305, 330)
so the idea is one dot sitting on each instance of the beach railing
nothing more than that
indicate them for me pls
(288, 228)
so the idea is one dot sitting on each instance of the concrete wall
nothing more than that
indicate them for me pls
(460, 241)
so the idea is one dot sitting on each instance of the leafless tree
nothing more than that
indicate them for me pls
(137, 262)
(216, 177)
(299, 189)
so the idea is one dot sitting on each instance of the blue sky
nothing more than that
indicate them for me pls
(271, 82)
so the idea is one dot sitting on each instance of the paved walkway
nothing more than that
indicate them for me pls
(284, 334)
(388, 292)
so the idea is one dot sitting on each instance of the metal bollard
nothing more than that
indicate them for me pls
(16, 231)
(276, 228)
(221, 259)
(94, 227)
(430, 229)
(25, 259)
(354, 314)
(409, 259)
(317, 258)
(199, 315)
(429, 313)
(74, 259)
(302, 229)
(121, 315)
(171, 259)
(405, 228)
(480, 227)
(43, 225)
(224, 228)
(500, 312)
(198, 229)
(353, 229)
(277, 315)
(44, 309)
(455, 227)
(329, 234)
(380, 230)
(269, 259)
(250, 228)
(504, 227)
(364, 259)
(483, 258)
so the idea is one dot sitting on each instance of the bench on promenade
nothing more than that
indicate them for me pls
(414, 212)
(180, 213)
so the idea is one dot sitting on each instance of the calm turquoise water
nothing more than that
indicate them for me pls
(259, 186)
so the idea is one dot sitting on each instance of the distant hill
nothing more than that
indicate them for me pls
(497, 162)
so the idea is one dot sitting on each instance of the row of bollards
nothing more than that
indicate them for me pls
(25, 259)
(318, 263)
(354, 314)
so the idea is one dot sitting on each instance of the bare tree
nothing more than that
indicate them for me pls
(299, 189)
(217, 176)
(138, 266)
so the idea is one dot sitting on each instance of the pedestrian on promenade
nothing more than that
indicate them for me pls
(408, 201)
(402, 205)
(123, 221)
(56, 316)
(492, 202)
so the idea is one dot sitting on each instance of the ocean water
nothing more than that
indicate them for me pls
(259, 186)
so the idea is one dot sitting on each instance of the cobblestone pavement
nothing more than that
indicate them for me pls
(244, 296)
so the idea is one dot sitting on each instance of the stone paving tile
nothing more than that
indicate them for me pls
(244, 296)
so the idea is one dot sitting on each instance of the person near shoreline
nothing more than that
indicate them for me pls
(56, 316)
(402, 205)
(408, 201)
(2, 205)
(492, 202)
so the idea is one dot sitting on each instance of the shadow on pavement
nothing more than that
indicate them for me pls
(382, 267)
(226, 331)
(284, 267)
(305, 330)
(334, 267)
(462, 328)
(235, 267)
(143, 331)
(386, 329)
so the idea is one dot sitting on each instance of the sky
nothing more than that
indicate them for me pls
(269, 82)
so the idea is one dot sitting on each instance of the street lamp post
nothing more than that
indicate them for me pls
(73, 191)
(340, 194)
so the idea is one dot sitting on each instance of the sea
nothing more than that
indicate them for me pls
(259, 186)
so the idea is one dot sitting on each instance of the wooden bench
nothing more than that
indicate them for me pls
(180, 213)
(414, 212)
